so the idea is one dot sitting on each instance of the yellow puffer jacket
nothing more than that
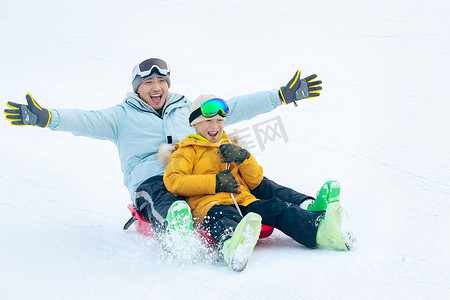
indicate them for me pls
(191, 172)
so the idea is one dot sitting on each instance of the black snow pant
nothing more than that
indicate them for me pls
(299, 224)
(153, 200)
(268, 189)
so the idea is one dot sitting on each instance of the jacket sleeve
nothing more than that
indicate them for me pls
(249, 106)
(99, 124)
(180, 181)
(251, 172)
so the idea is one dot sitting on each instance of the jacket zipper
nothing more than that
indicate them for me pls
(165, 108)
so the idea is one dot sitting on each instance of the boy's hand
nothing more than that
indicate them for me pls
(232, 153)
(298, 89)
(31, 114)
(225, 182)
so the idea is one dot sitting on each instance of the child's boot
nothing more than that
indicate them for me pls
(179, 218)
(237, 249)
(329, 193)
(179, 225)
(334, 230)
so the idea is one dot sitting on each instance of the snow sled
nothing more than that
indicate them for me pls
(144, 227)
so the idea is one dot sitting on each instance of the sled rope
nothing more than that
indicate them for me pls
(227, 166)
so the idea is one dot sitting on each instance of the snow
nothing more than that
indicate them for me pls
(379, 127)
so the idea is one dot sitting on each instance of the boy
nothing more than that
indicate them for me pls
(217, 189)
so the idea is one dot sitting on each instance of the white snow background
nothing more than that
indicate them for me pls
(380, 127)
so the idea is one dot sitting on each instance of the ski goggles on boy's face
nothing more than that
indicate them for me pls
(146, 67)
(210, 108)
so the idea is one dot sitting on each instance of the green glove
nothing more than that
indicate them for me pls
(225, 182)
(31, 114)
(232, 153)
(298, 89)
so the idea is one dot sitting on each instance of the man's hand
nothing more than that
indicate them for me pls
(225, 182)
(232, 153)
(30, 114)
(299, 89)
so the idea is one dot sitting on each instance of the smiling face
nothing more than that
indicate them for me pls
(210, 129)
(154, 92)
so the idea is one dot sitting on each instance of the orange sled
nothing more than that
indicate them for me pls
(144, 227)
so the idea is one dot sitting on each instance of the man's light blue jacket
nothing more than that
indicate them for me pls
(138, 131)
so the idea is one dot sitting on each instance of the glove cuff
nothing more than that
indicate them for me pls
(44, 118)
(217, 184)
(281, 96)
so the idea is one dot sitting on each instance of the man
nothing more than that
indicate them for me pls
(152, 116)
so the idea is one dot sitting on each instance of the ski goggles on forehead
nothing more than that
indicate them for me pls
(146, 67)
(210, 108)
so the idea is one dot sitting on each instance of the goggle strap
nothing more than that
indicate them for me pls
(195, 114)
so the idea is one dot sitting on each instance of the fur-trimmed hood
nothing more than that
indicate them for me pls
(164, 153)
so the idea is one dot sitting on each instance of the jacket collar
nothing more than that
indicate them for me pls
(196, 139)
(134, 100)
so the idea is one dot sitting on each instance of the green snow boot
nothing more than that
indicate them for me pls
(329, 193)
(334, 230)
(179, 218)
(179, 226)
(237, 249)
